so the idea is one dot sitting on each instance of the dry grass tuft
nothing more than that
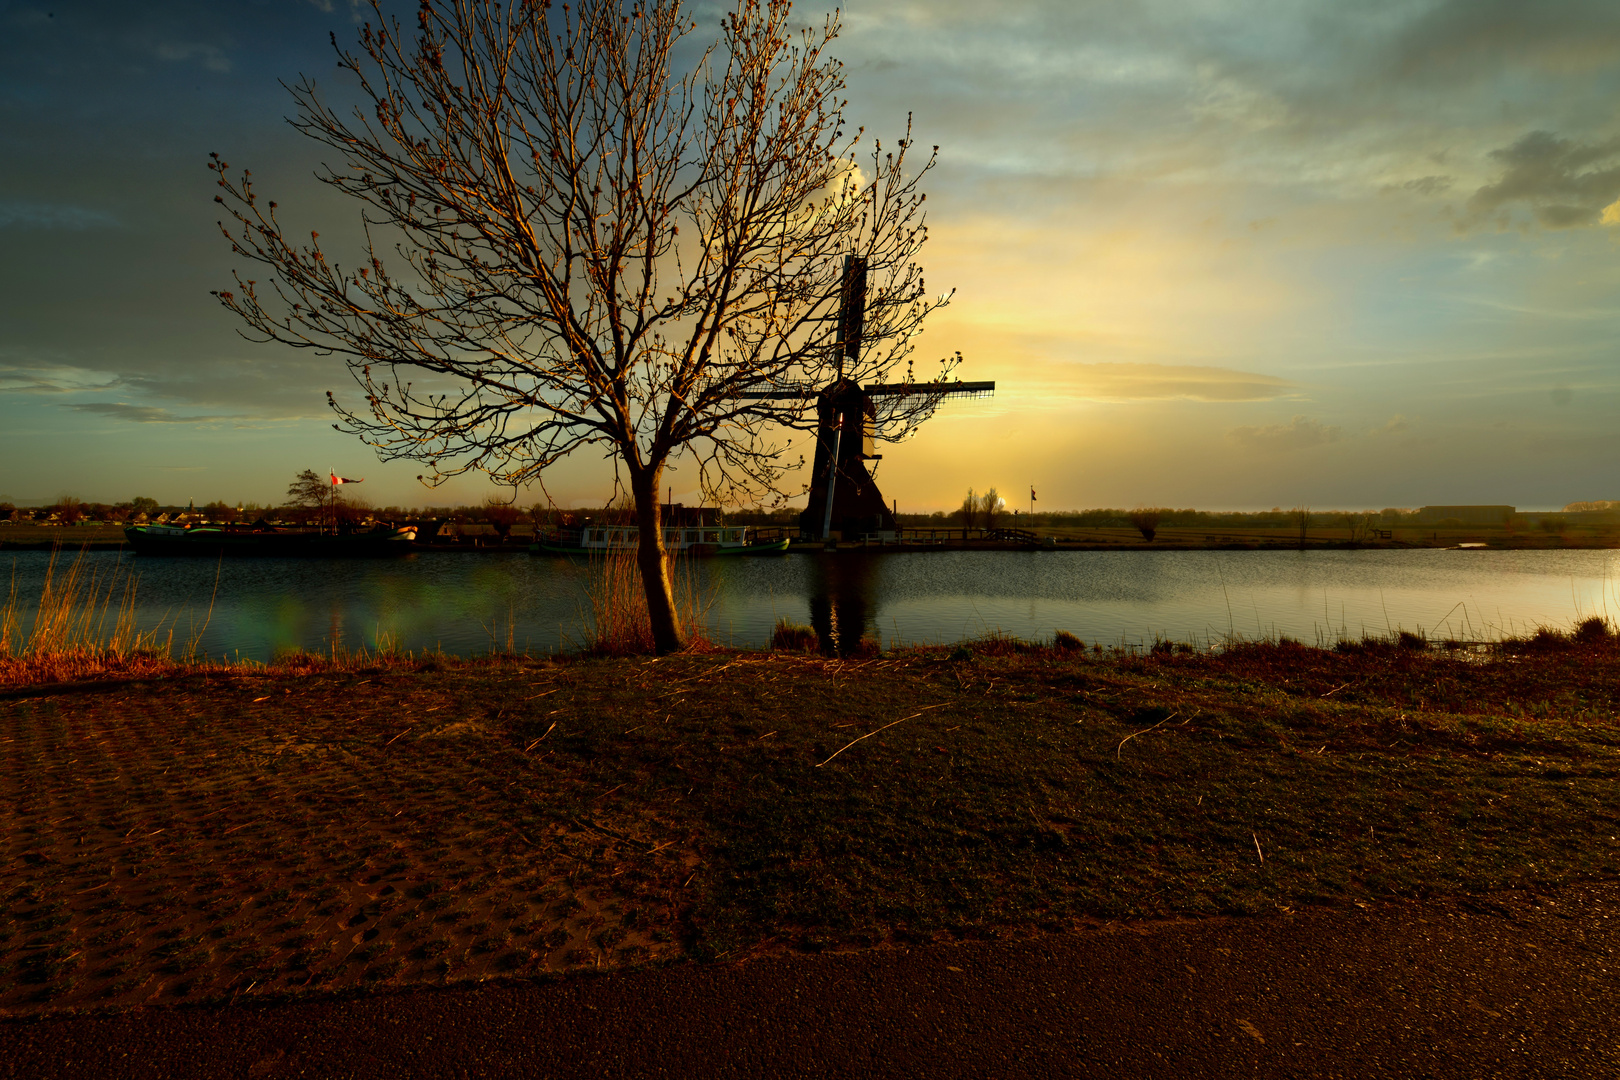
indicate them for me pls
(619, 624)
(83, 627)
(793, 637)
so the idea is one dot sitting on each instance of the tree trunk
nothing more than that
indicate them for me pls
(666, 631)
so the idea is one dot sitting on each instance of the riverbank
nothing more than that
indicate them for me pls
(227, 834)
(14, 537)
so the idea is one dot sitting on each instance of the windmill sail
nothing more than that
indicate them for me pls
(940, 391)
(852, 311)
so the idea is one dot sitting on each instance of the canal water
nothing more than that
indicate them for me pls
(469, 604)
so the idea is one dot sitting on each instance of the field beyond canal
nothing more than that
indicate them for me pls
(236, 833)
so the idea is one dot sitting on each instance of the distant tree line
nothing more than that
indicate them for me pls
(986, 510)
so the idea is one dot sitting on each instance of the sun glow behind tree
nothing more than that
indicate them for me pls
(592, 249)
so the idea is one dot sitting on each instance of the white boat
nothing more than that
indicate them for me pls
(693, 540)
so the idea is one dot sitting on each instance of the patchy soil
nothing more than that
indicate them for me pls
(221, 836)
(227, 834)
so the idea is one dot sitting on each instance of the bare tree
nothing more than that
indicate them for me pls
(990, 506)
(591, 247)
(69, 509)
(501, 515)
(1302, 521)
(1146, 521)
(970, 512)
(309, 490)
(350, 509)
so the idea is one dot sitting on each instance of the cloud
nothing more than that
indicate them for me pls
(247, 391)
(1459, 40)
(1158, 382)
(1395, 426)
(1565, 183)
(36, 215)
(326, 7)
(1299, 433)
(1428, 185)
(145, 414)
(54, 379)
(212, 56)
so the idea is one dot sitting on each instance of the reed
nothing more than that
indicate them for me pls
(618, 623)
(83, 625)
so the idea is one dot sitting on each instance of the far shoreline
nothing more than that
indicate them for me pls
(37, 537)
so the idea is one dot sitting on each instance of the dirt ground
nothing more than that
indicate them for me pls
(1520, 985)
(155, 854)
(240, 835)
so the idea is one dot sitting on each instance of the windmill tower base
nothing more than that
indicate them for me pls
(858, 507)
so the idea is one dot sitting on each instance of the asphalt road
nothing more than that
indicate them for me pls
(1516, 986)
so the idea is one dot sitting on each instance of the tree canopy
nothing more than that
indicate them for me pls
(573, 240)
(309, 488)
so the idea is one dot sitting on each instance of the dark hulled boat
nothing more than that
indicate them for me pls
(214, 540)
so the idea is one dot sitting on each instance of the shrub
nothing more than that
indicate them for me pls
(792, 637)
(866, 648)
(501, 515)
(1064, 641)
(1146, 522)
(1592, 631)
(1548, 638)
(1000, 643)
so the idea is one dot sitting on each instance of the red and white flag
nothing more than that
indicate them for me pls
(336, 480)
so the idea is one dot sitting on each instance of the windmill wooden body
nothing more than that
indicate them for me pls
(844, 497)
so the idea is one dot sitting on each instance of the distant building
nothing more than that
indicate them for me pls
(691, 517)
(1468, 515)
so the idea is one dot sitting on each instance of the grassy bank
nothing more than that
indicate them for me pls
(231, 833)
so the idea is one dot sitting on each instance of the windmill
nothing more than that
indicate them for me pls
(844, 498)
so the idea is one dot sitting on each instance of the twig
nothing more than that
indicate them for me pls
(1257, 850)
(885, 727)
(396, 738)
(541, 739)
(1144, 731)
(584, 824)
(704, 675)
(1333, 691)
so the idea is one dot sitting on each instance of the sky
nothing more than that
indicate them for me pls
(1230, 255)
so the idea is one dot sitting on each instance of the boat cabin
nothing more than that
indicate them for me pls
(616, 537)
